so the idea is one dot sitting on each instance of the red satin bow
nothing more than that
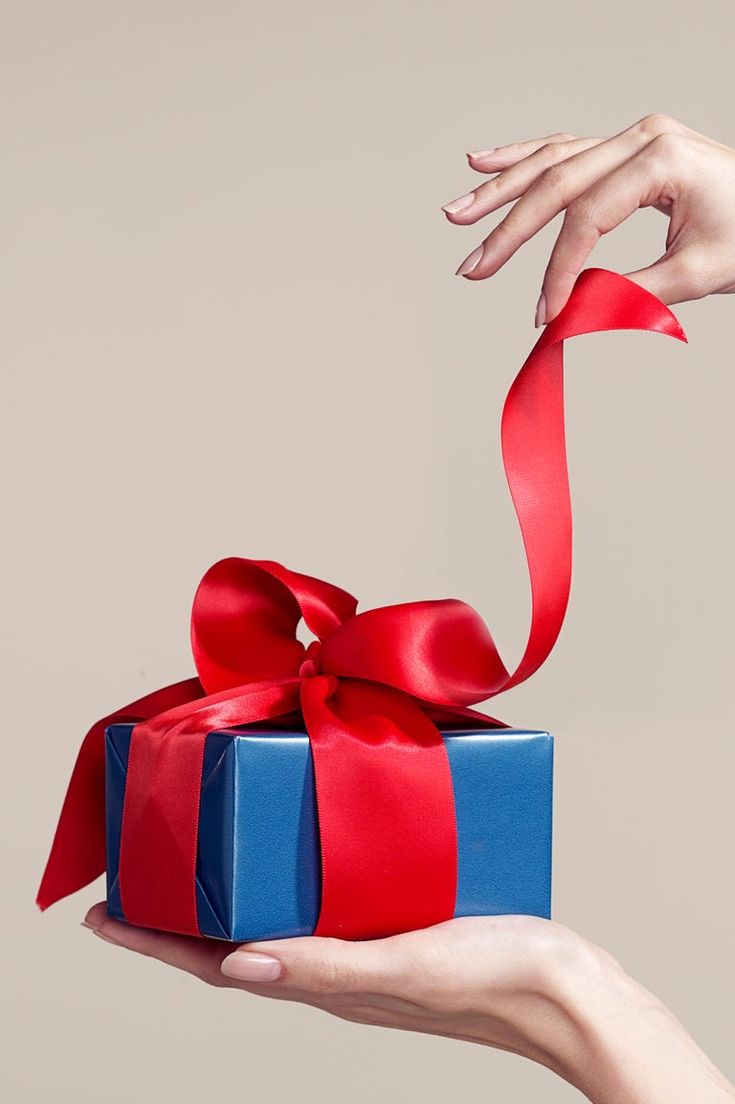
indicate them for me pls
(370, 689)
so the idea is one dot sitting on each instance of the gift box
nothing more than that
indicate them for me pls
(258, 871)
(347, 787)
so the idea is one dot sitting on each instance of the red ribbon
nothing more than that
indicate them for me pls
(370, 689)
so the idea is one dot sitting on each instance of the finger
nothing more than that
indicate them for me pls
(677, 277)
(491, 160)
(306, 968)
(604, 206)
(513, 182)
(556, 189)
(556, 177)
(547, 182)
(200, 957)
(494, 160)
(95, 916)
(317, 967)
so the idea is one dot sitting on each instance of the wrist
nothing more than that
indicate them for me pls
(616, 1042)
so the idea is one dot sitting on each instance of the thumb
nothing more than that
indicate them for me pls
(678, 276)
(315, 964)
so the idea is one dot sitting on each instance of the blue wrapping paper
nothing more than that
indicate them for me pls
(258, 864)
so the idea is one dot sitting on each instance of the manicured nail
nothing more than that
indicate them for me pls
(460, 204)
(478, 155)
(470, 263)
(103, 935)
(540, 316)
(251, 966)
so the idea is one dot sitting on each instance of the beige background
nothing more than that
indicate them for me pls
(228, 296)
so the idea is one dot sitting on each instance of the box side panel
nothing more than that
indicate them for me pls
(503, 797)
(117, 749)
(214, 888)
(214, 880)
(277, 866)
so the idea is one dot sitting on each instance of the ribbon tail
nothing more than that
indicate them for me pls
(77, 854)
(534, 447)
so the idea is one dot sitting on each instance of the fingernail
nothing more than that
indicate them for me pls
(540, 316)
(477, 155)
(459, 204)
(470, 263)
(251, 966)
(103, 935)
(86, 924)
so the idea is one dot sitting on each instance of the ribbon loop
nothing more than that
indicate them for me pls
(438, 651)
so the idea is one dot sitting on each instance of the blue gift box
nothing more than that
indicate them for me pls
(258, 862)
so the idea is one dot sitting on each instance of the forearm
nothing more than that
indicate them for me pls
(618, 1044)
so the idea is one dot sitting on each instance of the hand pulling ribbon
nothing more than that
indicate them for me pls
(370, 691)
